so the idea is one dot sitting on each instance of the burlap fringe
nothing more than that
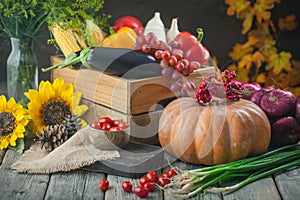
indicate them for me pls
(75, 153)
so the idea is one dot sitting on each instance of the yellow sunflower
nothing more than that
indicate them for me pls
(13, 120)
(52, 103)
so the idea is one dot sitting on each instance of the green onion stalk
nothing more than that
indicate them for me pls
(190, 183)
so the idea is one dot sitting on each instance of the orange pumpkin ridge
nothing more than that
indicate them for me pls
(213, 134)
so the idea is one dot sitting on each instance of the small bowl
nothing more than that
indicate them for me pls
(108, 140)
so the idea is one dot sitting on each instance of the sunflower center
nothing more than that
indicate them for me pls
(54, 112)
(7, 123)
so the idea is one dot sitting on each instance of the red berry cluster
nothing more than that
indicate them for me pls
(147, 183)
(202, 94)
(232, 88)
(225, 87)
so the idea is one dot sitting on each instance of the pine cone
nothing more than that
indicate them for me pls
(72, 124)
(53, 136)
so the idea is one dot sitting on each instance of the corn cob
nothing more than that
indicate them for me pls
(68, 40)
(94, 35)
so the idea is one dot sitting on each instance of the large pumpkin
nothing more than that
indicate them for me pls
(213, 134)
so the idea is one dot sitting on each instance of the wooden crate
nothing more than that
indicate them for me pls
(132, 97)
(139, 102)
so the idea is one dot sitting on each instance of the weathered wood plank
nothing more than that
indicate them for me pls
(263, 189)
(186, 166)
(115, 190)
(20, 186)
(75, 185)
(2, 153)
(288, 184)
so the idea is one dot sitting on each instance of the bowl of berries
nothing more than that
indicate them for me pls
(108, 134)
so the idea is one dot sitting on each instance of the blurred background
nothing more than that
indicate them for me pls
(221, 31)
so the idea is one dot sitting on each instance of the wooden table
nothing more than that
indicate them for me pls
(81, 184)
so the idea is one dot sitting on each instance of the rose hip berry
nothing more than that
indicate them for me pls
(104, 184)
(127, 186)
(140, 191)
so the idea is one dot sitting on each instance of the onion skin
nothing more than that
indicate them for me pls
(297, 109)
(277, 103)
(248, 89)
(256, 97)
(285, 131)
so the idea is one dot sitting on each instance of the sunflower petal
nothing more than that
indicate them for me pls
(46, 90)
(76, 98)
(2, 103)
(79, 110)
(67, 94)
(59, 86)
(4, 143)
(11, 104)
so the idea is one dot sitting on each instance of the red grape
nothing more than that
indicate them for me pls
(185, 71)
(188, 86)
(176, 75)
(183, 93)
(180, 66)
(157, 54)
(174, 44)
(146, 48)
(172, 61)
(185, 62)
(167, 72)
(151, 35)
(175, 87)
(177, 53)
(165, 55)
(194, 65)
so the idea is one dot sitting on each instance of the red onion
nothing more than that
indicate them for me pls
(277, 103)
(256, 96)
(297, 109)
(285, 131)
(248, 89)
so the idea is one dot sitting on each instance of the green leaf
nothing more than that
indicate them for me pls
(20, 146)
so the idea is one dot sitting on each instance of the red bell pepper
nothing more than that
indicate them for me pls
(128, 21)
(192, 48)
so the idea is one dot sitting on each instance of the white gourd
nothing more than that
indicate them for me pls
(173, 32)
(156, 26)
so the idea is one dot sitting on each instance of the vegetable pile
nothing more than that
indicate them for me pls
(282, 109)
(216, 127)
(179, 53)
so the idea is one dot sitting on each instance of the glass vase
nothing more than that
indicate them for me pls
(22, 69)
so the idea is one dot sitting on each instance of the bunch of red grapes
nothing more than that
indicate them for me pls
(174, 65)
(225, 87)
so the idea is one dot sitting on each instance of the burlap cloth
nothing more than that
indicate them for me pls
(76, 152)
